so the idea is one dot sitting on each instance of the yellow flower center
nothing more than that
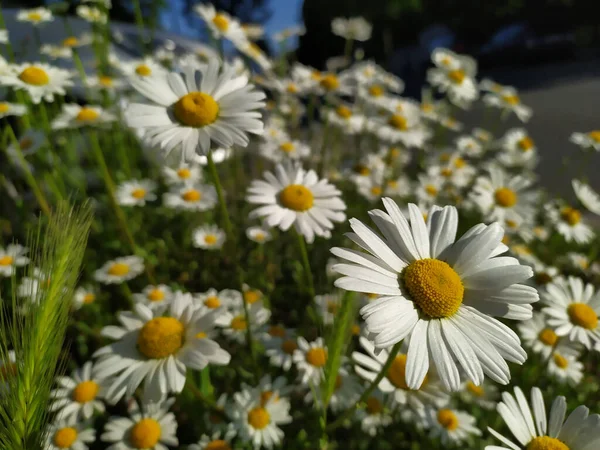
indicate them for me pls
(25, 143)
(376, 190)
(35, 76)
(511, 99)
(330, 82)
(71, 41)
(34, 16)
(431, 190)
(143, 70)
(292, 88)
(560, 361)
(287, 147)
(505, 197)
(296, 197)
(510, 223)
(138, 193)
(118, 269)
(343, 112)
(161, 337)
(210, 239)
(289, 346)
(526, 144)
(399, 122)
(196, 109)
(595, 135)
(201, 335)
(277, 331)
(238, 323)
(4, 107)
(447, 419)
(6, 260)
(316, 356)
(459, 163)
(184, 173)
(65, 437)
(219, 444)
(316, 75)
(89, 298)
(192, 195)
(87, 115)
(258, 418)
(355, 329)
(259, 236)
(145, 434)
(105, 81)
(548, 337)
(332, 307)
(434, 286)
(251, 296)
(396, 374)
(376, 91)
(426, 107)
(474, 389)
(546, 443)
(457, 76)
(221, 22)
(85, 391)
(156, 295)
(266, 396)
(374, 406)
(583, 315)
(571, 216)
(212, 302)
(446, 172)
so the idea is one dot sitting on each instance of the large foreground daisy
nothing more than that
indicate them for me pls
(196, 107)
(439, 293)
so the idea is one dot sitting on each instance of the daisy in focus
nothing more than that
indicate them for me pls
(136, 192)
(119, 270)
(208, 237)
(68, 434)
(565, 367)
(39, 80)
(310, 359)
(538, 335)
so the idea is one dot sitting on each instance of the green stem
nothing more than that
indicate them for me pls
(139, 21)
(309, 279)
(365, 395)
(348, 50)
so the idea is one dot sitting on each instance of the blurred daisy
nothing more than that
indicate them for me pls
(77, 41)
(238, 325)
(255, 53)
(191, 197)
(212, 299)
(587, 196)
(332, 83)
(310, 359)
(568, 222)
(68, 434)
(352, 28)
(216, 441)
(119, 270)
(12, 109)
(456, 172)
(328, 306)
(376, 414)
(587, 140)
(157, 347)
(509, 101)
(446, 59)
(11, 257)
(278, 151)
(32, 284)
(39, 80)
(469, 145)
(253, 31)
(197, 107)
(35, 16)
(405, 127)
(142, 68)
(457, 83)
(84, 295)
(399, 187)
(537, 432)
(106, 83)
(346, 119)
(483, 136)
(450, 426)
(221, 24)
(3, 36)
(56, 51)
(27, 144)
(135, 192)
(538, 335)
(428, 189)
(78, 396)
(519, 149)
(260, 235)
(154, 296)
(150, 427)
(208, 237)
(75, 116)
(297, 197)
(573, 308)
(91, 14)
(289, 32)
(578, 261)
(184, 173)
(564, 366)
(280, 344)
(450, 319)
(346, 391)
(485, 395)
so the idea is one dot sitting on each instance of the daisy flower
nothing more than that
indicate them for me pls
(352, 28)
(238, 325)
(483, 136)
(84, 295)
(197, 107)
(457, 83)
(446, 59)
(538, 335)
(564, 366)
(376, 414)
(216, 441)
(278, 151)
(208, 237)
(135, 192)
(212, 299)
(255, 53)
(191, 197)
(183, 174)
(39, 80)
(587, 196)
(221, 24)
(12, 109)
(280, 344)
(399, 187)
(536, 431)
(588, 140)
(142, 68)
(429, 188)
(346, 392)
(568, 222)
(157, 346)
(106, 83)
(451, 320)
(33, 283)
(76, 116)
(404, 127)
(80, 395)
(154, 296)
(68, 434)
(297, 197)
(485, 395)
(3, 36)
(150, 427)
(456, 172)
(573, 308)
(119, 270)
(35, 16)
(310, 359)
(258, 421)
(77, 41)
(260, 235)
(11, 257)
(56, 51)
(469, 146)
(519, 149)
(289, 32)
(27, 144)
(509, 101)
(92, 14)
(346, 119)
(333, 83)
(450, 426)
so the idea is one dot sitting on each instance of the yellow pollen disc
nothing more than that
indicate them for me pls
(287, 147)
(65, 437)
(191, 196)
(474, 389)
(156, 295)
(316, 75)
(505, 197)
(426, 107)
(201, 335)
(34, 17)
(376, 190)
(258, 418)
(143, 70)
(446, 172)
(434, 286)
(85, 391)
(221, 22)
(330, 82)
(87, 115)
(374, 406)
(512, 99)
(316, 356)
(219, 444)
(355, 330)
(542, 278)
(595, 135)
(71, 41)
(289, 346)
(238, 323)
(212, 302)
(251, 296)
(560, 361)
(447, 419)
(459, 163)
(526, 143)
(138, 193)
(4, 107)
(6, 260)
(184, 173)
(570, 215)
(145, 434)
(332, 307)
(548, 337)
(259, 236)
(89, 298)
(291, 88)
(296, 197)
(546, 443)
(399, 122)
(445, 61)
(210, 239)
(376, 91)
(35, 76)
(118, 269)
(105, 81)
(392, 184)
(583, 315)
(343, 112)
(431, 190)
(511, 223)
(161, 337)
(277, 331)
(266, 396)
(396, 374)
(457, 76)
(25, 143)
(196, 109)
